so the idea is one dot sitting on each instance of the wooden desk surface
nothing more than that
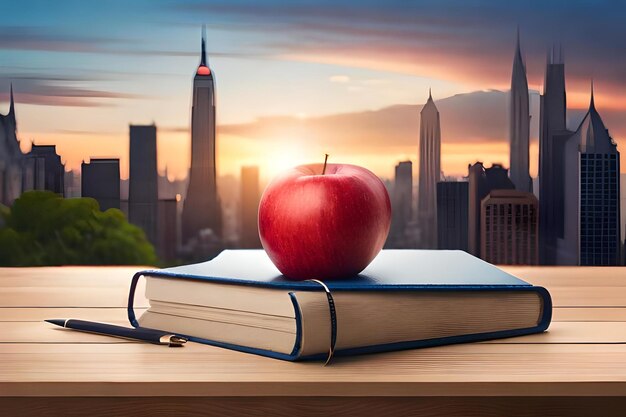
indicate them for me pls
(577, 366)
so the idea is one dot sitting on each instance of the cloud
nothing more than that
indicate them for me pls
(49, 77)
(60, 92)
(36, 38)
(466, 118)
(185, 53)
(474, 127)
(465, 42)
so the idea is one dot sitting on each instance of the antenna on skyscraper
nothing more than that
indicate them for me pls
(203, 60)
(518, 49)
(11, 101)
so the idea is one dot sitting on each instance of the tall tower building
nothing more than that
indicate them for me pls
(48, 169)
(429, 172)
(553, 136)
(12, 161)
(481, 182)
(509, 228)
(143, 187)
(519, 119)
(100, 179)
(201, 208)
(452, 214)
(167, 233)
(250, 198)
(592, 196)
(401, 203)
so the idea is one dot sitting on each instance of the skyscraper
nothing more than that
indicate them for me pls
(553, 136)
(401, 203)
(201, 208)
(509, 230)
(250, 198)
(429, 172)
(167, 233)
(452, 214)
(73, 184)
(481, 182)
(143, 188)
(592, 196)
(100, 179)
(11, 157)
(47, 165)
(519, 119)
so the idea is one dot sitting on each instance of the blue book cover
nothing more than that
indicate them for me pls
(401, 271)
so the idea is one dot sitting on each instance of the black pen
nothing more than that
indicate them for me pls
(147, 335)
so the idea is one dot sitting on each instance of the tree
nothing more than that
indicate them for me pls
(42, 228)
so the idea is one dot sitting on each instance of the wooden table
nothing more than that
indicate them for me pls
(577, 368)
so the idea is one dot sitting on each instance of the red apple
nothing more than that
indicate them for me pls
(324, 222)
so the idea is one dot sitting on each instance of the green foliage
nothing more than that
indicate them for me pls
(42, 228)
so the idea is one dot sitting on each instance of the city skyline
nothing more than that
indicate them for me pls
(573, 217)
(85, 104)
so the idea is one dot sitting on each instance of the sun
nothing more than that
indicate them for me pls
(290, 153)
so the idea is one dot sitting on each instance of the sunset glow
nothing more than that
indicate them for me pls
(332, 85)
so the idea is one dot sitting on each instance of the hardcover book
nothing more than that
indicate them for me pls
(403, 299)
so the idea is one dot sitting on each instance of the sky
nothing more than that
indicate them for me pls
(300, 78)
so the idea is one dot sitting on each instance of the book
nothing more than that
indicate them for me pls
(403, 299)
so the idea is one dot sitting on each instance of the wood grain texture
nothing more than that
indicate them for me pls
(577, 368)
(470, 369)
(110, 314)
(559, 332)
(570, 276)
(588, 314)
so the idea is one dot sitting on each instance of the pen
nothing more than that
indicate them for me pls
(147, 335)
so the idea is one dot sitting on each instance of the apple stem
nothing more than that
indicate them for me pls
(325, 160)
